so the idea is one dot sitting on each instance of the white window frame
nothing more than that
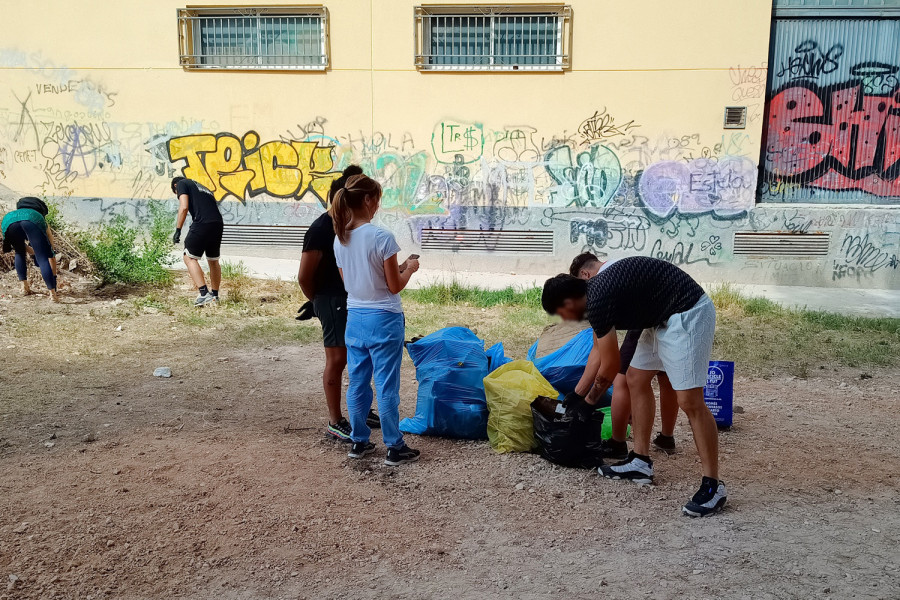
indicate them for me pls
(424, 15)
(189, 37)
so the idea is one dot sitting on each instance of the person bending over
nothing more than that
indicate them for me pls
(647, 293)
(204, 236)
(321, 283)
(585, 266)
(367, 258)
(25, 231)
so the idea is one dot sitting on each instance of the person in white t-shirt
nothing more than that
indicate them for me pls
(367, 258)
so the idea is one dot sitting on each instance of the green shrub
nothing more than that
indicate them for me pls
(54, 217)
(120, 257)
(236, 281)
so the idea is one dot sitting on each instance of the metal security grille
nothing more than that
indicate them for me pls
(264, 235)
(842, 8)
(781, 244)
(833, 111)
(493, 37)
(258, 38)
(475, 240)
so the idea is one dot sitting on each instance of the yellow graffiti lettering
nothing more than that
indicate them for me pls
(320, 171)
(234, 183)
(279, 167)
(241, 167)
(225, 160)
(189, 148)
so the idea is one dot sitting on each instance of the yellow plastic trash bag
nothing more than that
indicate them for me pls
(510, 391)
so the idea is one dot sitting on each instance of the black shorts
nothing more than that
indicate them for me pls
(332, 313)
(204, 238)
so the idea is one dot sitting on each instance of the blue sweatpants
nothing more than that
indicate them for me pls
(21, 232)
(374, 349)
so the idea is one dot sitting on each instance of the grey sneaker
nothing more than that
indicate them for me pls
(205, 299)
(634, 468)
(708, 500)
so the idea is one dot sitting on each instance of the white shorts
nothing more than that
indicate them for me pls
(682, 347)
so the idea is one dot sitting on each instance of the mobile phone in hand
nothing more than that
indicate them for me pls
(413, 257)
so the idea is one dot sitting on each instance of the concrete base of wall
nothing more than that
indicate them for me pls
(861, 250)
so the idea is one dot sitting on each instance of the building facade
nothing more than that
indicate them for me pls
(741, 143)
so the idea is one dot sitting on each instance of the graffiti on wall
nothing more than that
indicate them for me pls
(242, 167)
(833, 125)
(836, 138)
(700, 186)
(605, 184)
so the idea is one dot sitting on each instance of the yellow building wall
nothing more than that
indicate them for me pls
(108, 71)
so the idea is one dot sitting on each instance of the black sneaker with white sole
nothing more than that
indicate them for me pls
(638, 469)
(361, 449)
(373, 420)
(666, 443)
(401, 456)
(708, 500)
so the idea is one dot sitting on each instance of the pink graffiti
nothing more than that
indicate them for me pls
(836, 139)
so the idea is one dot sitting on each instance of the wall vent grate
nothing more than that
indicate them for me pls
(477, 240)
(264, 235)
(735, 117)
(775, 243)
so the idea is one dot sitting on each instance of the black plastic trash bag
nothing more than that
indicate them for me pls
(569, 442)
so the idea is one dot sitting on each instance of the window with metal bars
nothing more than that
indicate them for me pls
(493, 37)
(254, 38)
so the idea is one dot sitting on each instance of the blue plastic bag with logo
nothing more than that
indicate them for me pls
(451, 365)
(564, 367)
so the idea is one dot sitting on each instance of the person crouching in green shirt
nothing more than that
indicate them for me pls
(25, 231)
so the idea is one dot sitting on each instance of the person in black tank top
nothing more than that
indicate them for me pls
(203, 238)
(650, 294)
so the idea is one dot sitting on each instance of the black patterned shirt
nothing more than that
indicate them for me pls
(638, 293)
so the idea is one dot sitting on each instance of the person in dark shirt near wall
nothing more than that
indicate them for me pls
(679, 321)
(321, 282)
(586, 266)
(204, 236)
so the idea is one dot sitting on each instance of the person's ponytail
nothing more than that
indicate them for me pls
(351, 197)
(341, 215)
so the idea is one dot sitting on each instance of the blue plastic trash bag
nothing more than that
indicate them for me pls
(565, 367)
(451, 365)
(497, 357)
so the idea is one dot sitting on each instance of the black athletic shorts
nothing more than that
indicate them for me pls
(204, 238)
(332, 313)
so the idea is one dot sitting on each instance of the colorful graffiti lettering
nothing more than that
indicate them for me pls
(701, 186)
(835, 138)
(589, 178)
(241, 167)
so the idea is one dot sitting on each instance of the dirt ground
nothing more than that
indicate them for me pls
(219, 483)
